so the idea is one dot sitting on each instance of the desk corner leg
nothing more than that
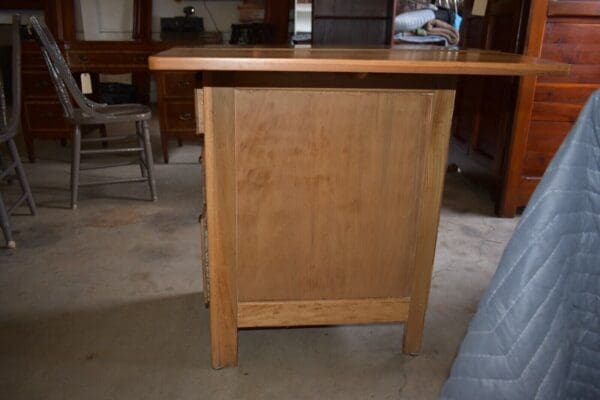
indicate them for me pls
(223, 343)
(413, 333)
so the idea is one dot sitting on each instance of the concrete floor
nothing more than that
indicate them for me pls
(105, 302)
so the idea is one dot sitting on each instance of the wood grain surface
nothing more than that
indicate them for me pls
(220, 190)
(323, 197)
(323, 312)
(377, 60)
(328, 184)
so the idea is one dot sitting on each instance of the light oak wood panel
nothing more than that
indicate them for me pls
(199, 105)
(323, 312)
(326, 197)
(469, 62)
(430, 190)
(220, 192)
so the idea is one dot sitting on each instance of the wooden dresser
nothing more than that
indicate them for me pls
(175, 94)
(481, 129)
(561, 30)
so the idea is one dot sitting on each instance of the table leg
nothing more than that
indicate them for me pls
(221, 217)
(429, 215)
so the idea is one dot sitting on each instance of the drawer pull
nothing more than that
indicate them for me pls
(185, 116)
(83, 58)
(47, 114)
(184, 84)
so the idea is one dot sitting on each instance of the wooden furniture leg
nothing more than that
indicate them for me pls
(220, 190)
(432, 184)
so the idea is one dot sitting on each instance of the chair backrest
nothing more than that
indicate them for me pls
(9, 126)
(64, 83)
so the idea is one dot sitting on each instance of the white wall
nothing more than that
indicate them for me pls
(111, 19)
(225, 13)
(104, 19)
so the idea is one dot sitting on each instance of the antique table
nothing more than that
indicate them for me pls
(324, 174)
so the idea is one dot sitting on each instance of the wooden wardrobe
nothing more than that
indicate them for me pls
(561, 30)
(515, 147)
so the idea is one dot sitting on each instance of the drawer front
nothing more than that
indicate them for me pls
(128, 59)
(576, 43)
(180, 116)
(33, 59)
(563, 94)
(37, 84)
(44, 116)
(180, 84)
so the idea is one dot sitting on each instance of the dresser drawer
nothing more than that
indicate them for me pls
(33, 59)
(179, 84)
(44, 116)
(179, 116)
(37, 84)
(127, 59)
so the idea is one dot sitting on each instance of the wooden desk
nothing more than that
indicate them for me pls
(324, 178)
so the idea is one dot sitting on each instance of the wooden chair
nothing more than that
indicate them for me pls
(80, 111)
(8, 130)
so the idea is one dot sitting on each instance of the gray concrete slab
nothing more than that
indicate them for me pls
(105, 302)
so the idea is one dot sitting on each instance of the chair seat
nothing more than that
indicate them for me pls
(112, 113)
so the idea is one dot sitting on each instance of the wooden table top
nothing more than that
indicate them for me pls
(390, 60)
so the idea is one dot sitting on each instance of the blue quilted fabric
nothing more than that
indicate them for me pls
(536, 333)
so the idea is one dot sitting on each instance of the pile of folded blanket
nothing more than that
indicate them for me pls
(428, 25)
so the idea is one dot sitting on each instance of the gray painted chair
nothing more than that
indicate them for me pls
(8, 131)
(80, 111)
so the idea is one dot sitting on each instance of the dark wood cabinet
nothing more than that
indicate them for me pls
(516, 147)
(352, 22)
(176, 109)
(485, 106)
(561, 30)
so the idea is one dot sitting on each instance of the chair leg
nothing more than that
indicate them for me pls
(5, 225)
(149, 160)
(140, 138)
(14, 154)
(75, 165)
